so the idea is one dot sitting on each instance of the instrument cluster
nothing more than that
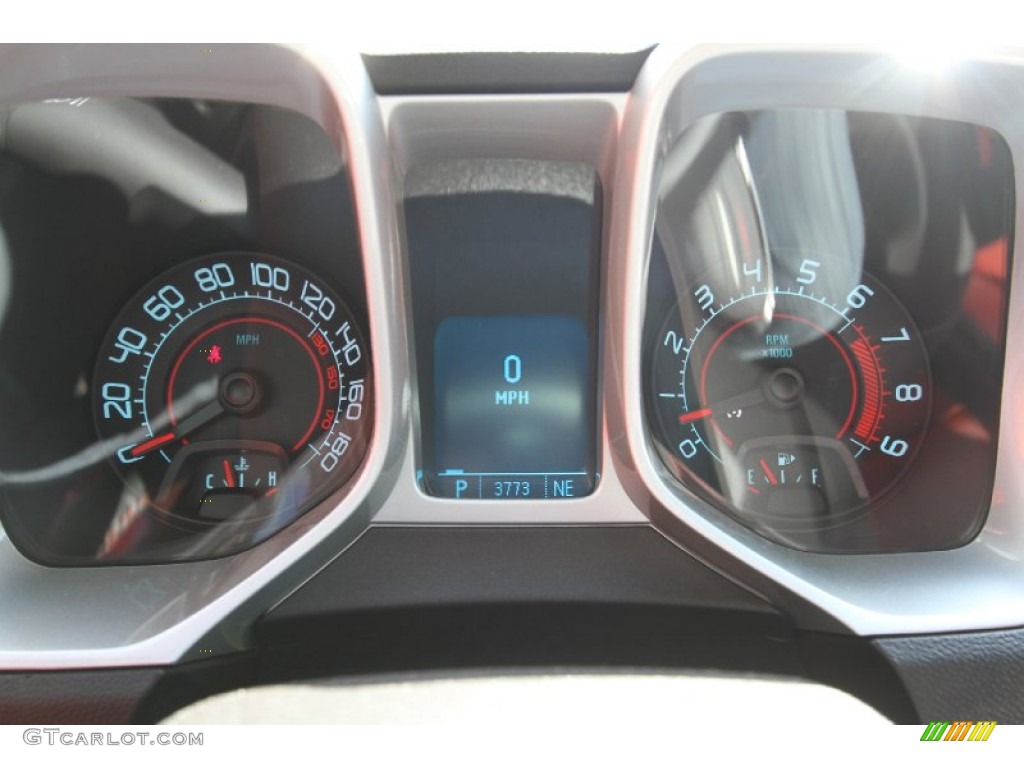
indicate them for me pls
(823, 336)
(760, 307)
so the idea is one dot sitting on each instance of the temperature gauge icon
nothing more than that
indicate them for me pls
(218, 479)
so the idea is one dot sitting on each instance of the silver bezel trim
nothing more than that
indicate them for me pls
(978, 586)
(151, 615)
(501, 130)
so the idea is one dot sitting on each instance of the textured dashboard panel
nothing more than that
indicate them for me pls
(445, 598)
(84, 697)
(970, 676)
(392, 567)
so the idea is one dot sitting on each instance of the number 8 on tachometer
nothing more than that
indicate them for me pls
(795, 406)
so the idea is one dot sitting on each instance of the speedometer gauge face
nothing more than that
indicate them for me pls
(237, 391)
(794, 406)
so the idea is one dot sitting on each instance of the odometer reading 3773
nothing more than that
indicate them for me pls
(240, 387)
(797, 407)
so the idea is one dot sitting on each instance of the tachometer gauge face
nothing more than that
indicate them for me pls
(237, 389)
(795, 407)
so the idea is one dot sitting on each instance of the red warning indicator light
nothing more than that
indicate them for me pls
(214, 357)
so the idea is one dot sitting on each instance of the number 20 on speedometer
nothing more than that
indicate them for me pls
(794, 405)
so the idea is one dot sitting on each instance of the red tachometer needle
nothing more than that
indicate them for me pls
(229, 477)
(686, 418)
(738, 402)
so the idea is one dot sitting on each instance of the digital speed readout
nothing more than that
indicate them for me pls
(511, 408)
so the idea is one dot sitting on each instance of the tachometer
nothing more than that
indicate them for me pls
(239, 385)
(796, 407)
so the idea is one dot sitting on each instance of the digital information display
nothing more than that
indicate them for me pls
(505, 292)
(511, 410)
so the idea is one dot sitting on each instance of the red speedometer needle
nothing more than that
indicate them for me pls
(153, 444)
(205, 414)
(229, 477)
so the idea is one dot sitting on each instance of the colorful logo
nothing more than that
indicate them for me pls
(960, 730)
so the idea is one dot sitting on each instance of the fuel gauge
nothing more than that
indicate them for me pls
(797, 478)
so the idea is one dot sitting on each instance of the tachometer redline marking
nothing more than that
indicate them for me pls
(869, 417)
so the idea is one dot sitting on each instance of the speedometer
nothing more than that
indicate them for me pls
(797, 406)
(237, 388)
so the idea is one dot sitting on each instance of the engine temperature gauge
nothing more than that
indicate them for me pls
(216, 479)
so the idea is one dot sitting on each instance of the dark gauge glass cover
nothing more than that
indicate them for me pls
(234, 392)
(826, 312)
(156, 409)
